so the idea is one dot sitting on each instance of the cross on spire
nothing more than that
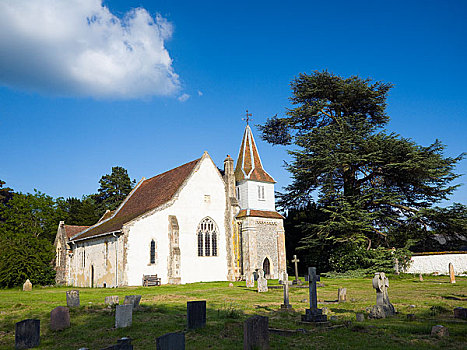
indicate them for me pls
(247, 117)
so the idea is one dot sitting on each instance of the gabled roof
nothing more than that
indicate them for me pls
(72, 230)
(259, 214)
(147, 195)
(249, 165)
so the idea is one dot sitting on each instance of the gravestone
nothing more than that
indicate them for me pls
(27, 286)
(439, 331)
(411, 317)
(420, 277)
(250, 280)
(286, 305)
(171, 341)
(123, 315)
(313, 314)
(452, 276)
(132, 300)
(122, 344)
(262, 282)
(196, 314)
(27, 334)
(256, 333)
(72, 298)
(460, 312)
(383, 307)
(59, 318)
(360, 317)
(297, 280)
(112, 300)
(341, 295)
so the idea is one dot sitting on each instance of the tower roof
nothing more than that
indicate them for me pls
(249, 165)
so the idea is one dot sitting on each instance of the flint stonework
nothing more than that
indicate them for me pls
(72, 298)
(256, 333)
(27, 334)
(59, 318)
(196, 314)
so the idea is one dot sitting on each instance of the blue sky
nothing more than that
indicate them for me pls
(191, 69)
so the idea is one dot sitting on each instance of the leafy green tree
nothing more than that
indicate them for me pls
(5, 193)
(370, 183)
(113, 189)
(82, 212)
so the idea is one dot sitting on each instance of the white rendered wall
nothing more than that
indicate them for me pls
(248, 191)
(439, 263)
(190, 208)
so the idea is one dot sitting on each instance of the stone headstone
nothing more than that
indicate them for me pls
(132, 300)
(123, 315)
(262, 282)
(439, 331)
(256, 333)
(27, 334)
(411, 317)
(231, 284)
(122, 344)
(72, 298)
(112, 300)
(341, 295)
(360, 317)
(171, 341)
(420, 277)
(383, 307)
(59, 318)
(460, 312)
(452, 276)
(297, 280)
(250, 280)
(27, 286)
(313, 314)
(196, 314)
(396, 266)
(286, 305)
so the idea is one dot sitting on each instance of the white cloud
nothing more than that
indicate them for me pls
(184, 97)
(79, 48)
(200, 93)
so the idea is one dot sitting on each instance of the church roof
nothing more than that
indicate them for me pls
(72, 230)
(259, 213)
(147, 195)
(249, 165)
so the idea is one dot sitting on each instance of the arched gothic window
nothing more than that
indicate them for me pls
(152, 252)
(207, 238)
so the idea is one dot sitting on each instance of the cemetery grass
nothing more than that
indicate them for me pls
(164, 310)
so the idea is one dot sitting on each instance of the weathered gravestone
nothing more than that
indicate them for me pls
(256, 333)
(297, 280)
(460, 312)
(122, 344)
(360, 317)
(27, 334)
(171, 341)
(112, 300)
(72, 298)
(383, 307)
(452, 276)
(27, 286)
(132, 300)
(286, 305)
(262, 282)
(196, 314)
(250, 280)
(341, 295)
(420, 277)
(313, 314)
(59, 318)
(123, 316)
(439, 331)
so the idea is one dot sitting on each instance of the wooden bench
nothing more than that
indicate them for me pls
(151, 281)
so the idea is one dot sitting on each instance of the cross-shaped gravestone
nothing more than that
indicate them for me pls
(383, 307)
(295, 261)
(286, 305)
(313, 314)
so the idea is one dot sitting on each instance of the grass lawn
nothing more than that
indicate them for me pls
(164, 310)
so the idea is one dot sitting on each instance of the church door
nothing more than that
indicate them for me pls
(267, 268)
(173, 265)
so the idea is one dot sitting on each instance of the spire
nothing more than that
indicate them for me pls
(249, 165)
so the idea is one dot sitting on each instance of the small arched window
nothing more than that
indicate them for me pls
(207, 238)
(152, 253)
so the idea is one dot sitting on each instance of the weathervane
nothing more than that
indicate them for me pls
(247, 118)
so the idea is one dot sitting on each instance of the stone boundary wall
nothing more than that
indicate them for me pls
(428, 263)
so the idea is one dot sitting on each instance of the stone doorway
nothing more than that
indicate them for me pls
(267, 268)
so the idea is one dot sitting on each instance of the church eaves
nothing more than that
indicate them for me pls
(249, 165)
(148, 195)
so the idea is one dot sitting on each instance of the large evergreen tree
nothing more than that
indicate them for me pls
(371, 183)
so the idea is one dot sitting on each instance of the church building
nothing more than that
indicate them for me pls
(190, 224)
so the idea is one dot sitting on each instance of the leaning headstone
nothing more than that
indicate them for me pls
(383, 307)
(132, 300)
(123, 316)
(27, 334)
(360, 317)
(460, 312)
(439, 331)
(452, 276)
(122, 344)
(313, 314)
(256, 333)
(341, 295)
(262, 282)
(72, 298)
(286, 305)
(112, 300)
(27, 286)
(196, 314)
(171, 341)
(59, 318)
(250, 280)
